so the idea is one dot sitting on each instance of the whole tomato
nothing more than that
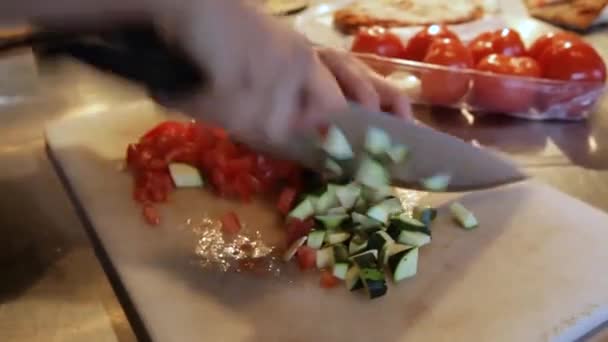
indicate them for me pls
(445, 87)
(543, 42)
(377, 40)
(418, 45)
(572, 61)
(505, 95)
(506, 42)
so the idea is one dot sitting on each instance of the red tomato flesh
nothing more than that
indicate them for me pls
(306, 257)
(286, 200)
(328, 280)
(230, 223)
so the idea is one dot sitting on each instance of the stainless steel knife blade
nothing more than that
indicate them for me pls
(430, 152)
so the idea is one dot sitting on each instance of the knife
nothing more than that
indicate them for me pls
(140, 55)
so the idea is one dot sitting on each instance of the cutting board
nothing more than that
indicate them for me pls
(535, 270)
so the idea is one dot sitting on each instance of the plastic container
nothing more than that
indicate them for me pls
(483, 92)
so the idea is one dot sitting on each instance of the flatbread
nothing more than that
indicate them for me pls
(403, 13)
(576, 14)
(285, 7)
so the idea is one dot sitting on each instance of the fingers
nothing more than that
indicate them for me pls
(392, 99)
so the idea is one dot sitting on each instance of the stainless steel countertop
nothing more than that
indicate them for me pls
(53, 287)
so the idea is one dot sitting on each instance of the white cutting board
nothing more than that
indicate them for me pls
(535, 270)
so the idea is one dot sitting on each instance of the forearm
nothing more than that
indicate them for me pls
(82, 12)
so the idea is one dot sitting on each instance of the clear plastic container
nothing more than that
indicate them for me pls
(483, 92)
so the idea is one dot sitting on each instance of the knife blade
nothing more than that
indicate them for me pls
(142, 57)
(430, 152)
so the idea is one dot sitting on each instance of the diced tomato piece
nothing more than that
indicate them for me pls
(230, 223)
(297, 228)
(328, 280)
(244, 188)
(286, 200)
(140, 194)
(227, 148)
(238, 166)
(164, 128)
(131, 153)
(157, 164)
(307, 258)
(151, 214)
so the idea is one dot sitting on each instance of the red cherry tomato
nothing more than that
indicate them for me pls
(379, 41)
(505, 95)
(286, 200)
(446, 87)
(328, 280)
(572, 61)
(543, 42)
(419, 44)
(307, 258)
(230, 223)
(507, 42)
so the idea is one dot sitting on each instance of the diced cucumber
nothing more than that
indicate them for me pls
(340, 253)
(364, 221)
(340, 270)
(185, 176)
(352, 279)
(366, 259)
(390, 250)
(377, 141)
(357, 245)
(291, 251)
(325, 257)
(374, 196)
(438, 182)
(404, 222)
(463, 216)
(425, 214)
(360, 205)
(303, 210)
(374, 282)
(378, 240)
(333, 237)
(383, 210)
(331, 222)
(337, 211)
(315, 239)
(348, 195)
(398, 153)
(327, 200)
(404, 264)
(416, 239)
(336, 144)
(333, 167)
(372, 174)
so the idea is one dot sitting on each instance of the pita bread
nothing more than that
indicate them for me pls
(402, 13)
(576, 14)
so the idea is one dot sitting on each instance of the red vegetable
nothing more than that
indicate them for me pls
(151, 215)
(296, 229)
(230, 223)
(307, 258)
(446, 87)
(328, 280)
(418, 46)
(543, 42)
(572, 61)
(286, 200)
(379, 41)
(505, 95)
(506, 42)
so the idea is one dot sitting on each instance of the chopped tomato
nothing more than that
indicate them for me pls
(151, 214)
(307, 258)
(230, 223)
(328, 280)
(286, 200)
(297, 228)
(164, 128)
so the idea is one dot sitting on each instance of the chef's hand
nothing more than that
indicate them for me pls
(265, 78)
